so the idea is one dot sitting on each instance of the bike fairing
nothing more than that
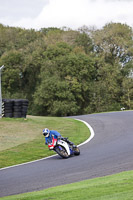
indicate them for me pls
(63, 148)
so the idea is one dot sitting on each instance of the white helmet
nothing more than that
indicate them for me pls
(46, 132)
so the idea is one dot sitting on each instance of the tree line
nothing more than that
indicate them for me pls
(66, 72)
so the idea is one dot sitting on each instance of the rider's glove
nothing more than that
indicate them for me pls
(59, 138)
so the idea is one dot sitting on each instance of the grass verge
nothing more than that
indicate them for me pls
(21, 140)
(114, 187)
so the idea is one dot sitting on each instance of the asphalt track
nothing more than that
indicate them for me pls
(109, 152)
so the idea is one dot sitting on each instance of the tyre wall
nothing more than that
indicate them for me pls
(16, 108)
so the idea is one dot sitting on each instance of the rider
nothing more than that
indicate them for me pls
(50, 133)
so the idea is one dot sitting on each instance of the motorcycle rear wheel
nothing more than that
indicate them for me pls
(62, 152)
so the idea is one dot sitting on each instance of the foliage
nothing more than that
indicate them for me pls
(63, 86)
(65, 72)
(115, 42)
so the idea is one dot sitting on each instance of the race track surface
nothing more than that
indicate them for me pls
(109, 152)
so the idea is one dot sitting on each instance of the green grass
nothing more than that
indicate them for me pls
(21, 140)
(114, 187)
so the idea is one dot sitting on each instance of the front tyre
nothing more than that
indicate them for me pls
(61, 151)
(76, 151)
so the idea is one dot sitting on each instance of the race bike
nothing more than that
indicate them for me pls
(63, 147)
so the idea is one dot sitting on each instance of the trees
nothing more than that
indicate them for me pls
(66, 72)
(113, 46)
(115, 42)
(127, 89)
(54, 97)
(64, 81)
(12, 75)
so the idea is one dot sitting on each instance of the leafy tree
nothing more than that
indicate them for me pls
(65, 79)
(115, 42)
(12, 74)
(106, 89)
(113, 47)
(84, 41)
(127, 98)
(66, 72)
(54, 97)
(127, 86)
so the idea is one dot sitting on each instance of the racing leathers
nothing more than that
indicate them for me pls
(57, 136)
(54, 134)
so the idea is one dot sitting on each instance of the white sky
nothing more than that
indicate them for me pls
(70, 13)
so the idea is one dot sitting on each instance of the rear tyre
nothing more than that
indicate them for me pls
(61, 151)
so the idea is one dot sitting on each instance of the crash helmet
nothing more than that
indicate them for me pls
(46, 132)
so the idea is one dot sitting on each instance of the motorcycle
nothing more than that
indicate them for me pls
(63, 147)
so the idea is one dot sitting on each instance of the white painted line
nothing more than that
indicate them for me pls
(91, 130)
(27, 162)
(88, 140)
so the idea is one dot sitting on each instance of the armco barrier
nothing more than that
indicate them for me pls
(16, 108)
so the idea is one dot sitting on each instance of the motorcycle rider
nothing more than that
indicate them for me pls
(52, 133)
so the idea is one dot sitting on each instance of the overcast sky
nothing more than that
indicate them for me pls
(38, 14)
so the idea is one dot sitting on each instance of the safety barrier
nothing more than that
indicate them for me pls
(16, 108)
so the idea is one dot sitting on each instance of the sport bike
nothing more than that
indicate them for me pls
(63, 147)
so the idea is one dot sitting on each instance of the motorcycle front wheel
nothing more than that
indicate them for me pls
(76, 151)
(61, 151)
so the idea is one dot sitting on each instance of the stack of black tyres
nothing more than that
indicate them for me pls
(16, 108)
(25, 103)
(7, 108)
